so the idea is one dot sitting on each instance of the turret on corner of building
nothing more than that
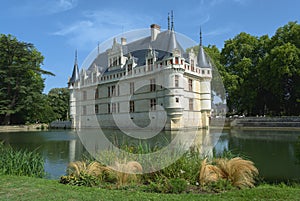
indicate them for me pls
(75, 74)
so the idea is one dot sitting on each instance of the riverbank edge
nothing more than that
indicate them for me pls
(260, 123)
(20, 128)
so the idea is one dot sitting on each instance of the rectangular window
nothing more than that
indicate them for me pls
(84, 95)
(94, 77)
(96, 109)
(176, 60)
(191, 104)
(177, 100)
(150, 64)
(129, 69)
(192, 65)
(108, 108)
(176, 80)
(190, 83)
(115, 60)
(152, 85)
(152, 104)
(113, 108)
(84, 110)
(118, 107)
(108, 91)
(131, 106)
(131, 87)
(113, 90)
(97, 93)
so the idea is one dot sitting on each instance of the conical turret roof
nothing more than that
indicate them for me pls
(75, 74)
(202, 58)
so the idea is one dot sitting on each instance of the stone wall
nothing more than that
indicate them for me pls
(266, 122)
(61, 124)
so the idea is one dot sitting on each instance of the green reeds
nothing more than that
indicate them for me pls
(20, 162)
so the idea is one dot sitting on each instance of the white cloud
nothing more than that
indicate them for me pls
(213, 3)
(98, 26)
(44, 7)
(217, 32)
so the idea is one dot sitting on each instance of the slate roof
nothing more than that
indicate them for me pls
(202, 59)
(163, 46)
(75, 74)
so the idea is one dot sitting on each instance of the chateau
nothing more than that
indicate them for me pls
(149, 83)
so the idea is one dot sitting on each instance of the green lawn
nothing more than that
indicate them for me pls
(25, 188)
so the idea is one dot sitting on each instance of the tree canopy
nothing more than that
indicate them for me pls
(261, 75)
(21, 82)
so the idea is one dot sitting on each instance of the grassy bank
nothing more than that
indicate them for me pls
(26, 188)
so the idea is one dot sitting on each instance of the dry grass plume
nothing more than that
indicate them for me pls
(127, 172)
(239, 172)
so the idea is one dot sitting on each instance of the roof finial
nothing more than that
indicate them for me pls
(76, 56)
(200, 36)
(172, 21)
(98, 48)
(168, 21)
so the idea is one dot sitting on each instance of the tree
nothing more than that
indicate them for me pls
(59, 99)
(262, 74)
(281, 71)
(240, 60)
(21, 82)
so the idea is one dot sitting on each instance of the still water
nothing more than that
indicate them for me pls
(275, 153)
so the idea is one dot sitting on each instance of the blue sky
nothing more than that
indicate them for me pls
(58, 27)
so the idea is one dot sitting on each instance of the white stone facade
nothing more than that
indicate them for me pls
(147, 83)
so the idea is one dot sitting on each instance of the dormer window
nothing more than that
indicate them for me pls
(192, 64)
(150, 64)
(129, 68)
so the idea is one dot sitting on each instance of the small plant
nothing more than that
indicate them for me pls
(165, 185)
(177, 185)
(220, 185)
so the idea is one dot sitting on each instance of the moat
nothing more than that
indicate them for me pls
(275, 153)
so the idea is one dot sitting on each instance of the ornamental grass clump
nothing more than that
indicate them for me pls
(78, 167)
(241, 173)
(127, 172)
(82, 173)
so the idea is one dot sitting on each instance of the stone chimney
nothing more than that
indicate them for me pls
(155, 30)
(123, 41)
